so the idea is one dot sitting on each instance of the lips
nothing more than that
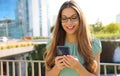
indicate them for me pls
(70, 27)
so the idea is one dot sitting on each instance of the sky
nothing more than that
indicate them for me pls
(94, 10)
(7, 9)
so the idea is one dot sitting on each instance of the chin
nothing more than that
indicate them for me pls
(70, 32)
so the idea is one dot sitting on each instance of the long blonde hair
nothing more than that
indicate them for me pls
(83, 37)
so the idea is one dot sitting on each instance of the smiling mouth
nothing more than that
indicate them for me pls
(70, 27)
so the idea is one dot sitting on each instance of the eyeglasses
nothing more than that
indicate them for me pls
(73, 18)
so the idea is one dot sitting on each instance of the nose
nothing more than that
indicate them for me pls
(69, 21)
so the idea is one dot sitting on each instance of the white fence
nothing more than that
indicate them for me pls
(115, 65)
(34, 68)
(20, 68)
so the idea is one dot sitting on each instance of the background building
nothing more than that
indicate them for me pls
(32, 18)
(7, 28)
(39, 17)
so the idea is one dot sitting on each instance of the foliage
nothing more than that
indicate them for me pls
(51, 30)
(37, 54)
(112, 28)
(96, 27)
(103, 35)
(110, 69)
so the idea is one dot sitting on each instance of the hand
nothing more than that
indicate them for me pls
(59, 62)
(71, 61)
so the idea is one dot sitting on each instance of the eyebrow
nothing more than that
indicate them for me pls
(70, 16)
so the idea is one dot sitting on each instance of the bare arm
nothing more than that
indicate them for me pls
(54, 71)
(82, 71)
(97, 58)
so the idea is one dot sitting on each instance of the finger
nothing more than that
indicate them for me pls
(66, 61)
(70, 61)
(66, 64)
(60, 61)
(72, 58)
(69, 56)
(58, 58)
(60, 64)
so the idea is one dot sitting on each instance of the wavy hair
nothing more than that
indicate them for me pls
(83, 38)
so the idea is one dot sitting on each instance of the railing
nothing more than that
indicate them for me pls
(34, 68)
(105, 65)
(21, 67)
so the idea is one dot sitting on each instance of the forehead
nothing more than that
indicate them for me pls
(68, 11)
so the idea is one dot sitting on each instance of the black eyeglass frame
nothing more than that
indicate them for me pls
(72, 19)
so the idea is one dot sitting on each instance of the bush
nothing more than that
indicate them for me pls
(37, 54)
(112, 28)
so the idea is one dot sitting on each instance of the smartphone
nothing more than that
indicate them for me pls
(62, 50)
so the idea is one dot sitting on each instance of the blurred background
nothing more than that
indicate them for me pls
(19, 18)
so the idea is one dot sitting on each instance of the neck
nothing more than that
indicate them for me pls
(71, 38)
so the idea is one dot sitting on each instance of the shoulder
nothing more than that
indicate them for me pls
(96, 46)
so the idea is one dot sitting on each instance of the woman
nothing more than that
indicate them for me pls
(71, 30)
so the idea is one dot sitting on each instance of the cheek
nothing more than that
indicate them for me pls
(77, 27)
(63, 26)
(77, 24)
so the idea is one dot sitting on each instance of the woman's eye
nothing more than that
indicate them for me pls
(75, 17)
(64, 18)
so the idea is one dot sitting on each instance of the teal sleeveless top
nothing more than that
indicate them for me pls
(96, 48)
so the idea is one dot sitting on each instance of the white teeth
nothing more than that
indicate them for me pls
(70, 27)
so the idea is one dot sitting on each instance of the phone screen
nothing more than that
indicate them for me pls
(63, 50)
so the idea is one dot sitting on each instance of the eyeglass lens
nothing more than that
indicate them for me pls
(73, 18)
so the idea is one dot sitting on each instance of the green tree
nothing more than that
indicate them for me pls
(97, 27)
(51, 29)
(112, 28)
